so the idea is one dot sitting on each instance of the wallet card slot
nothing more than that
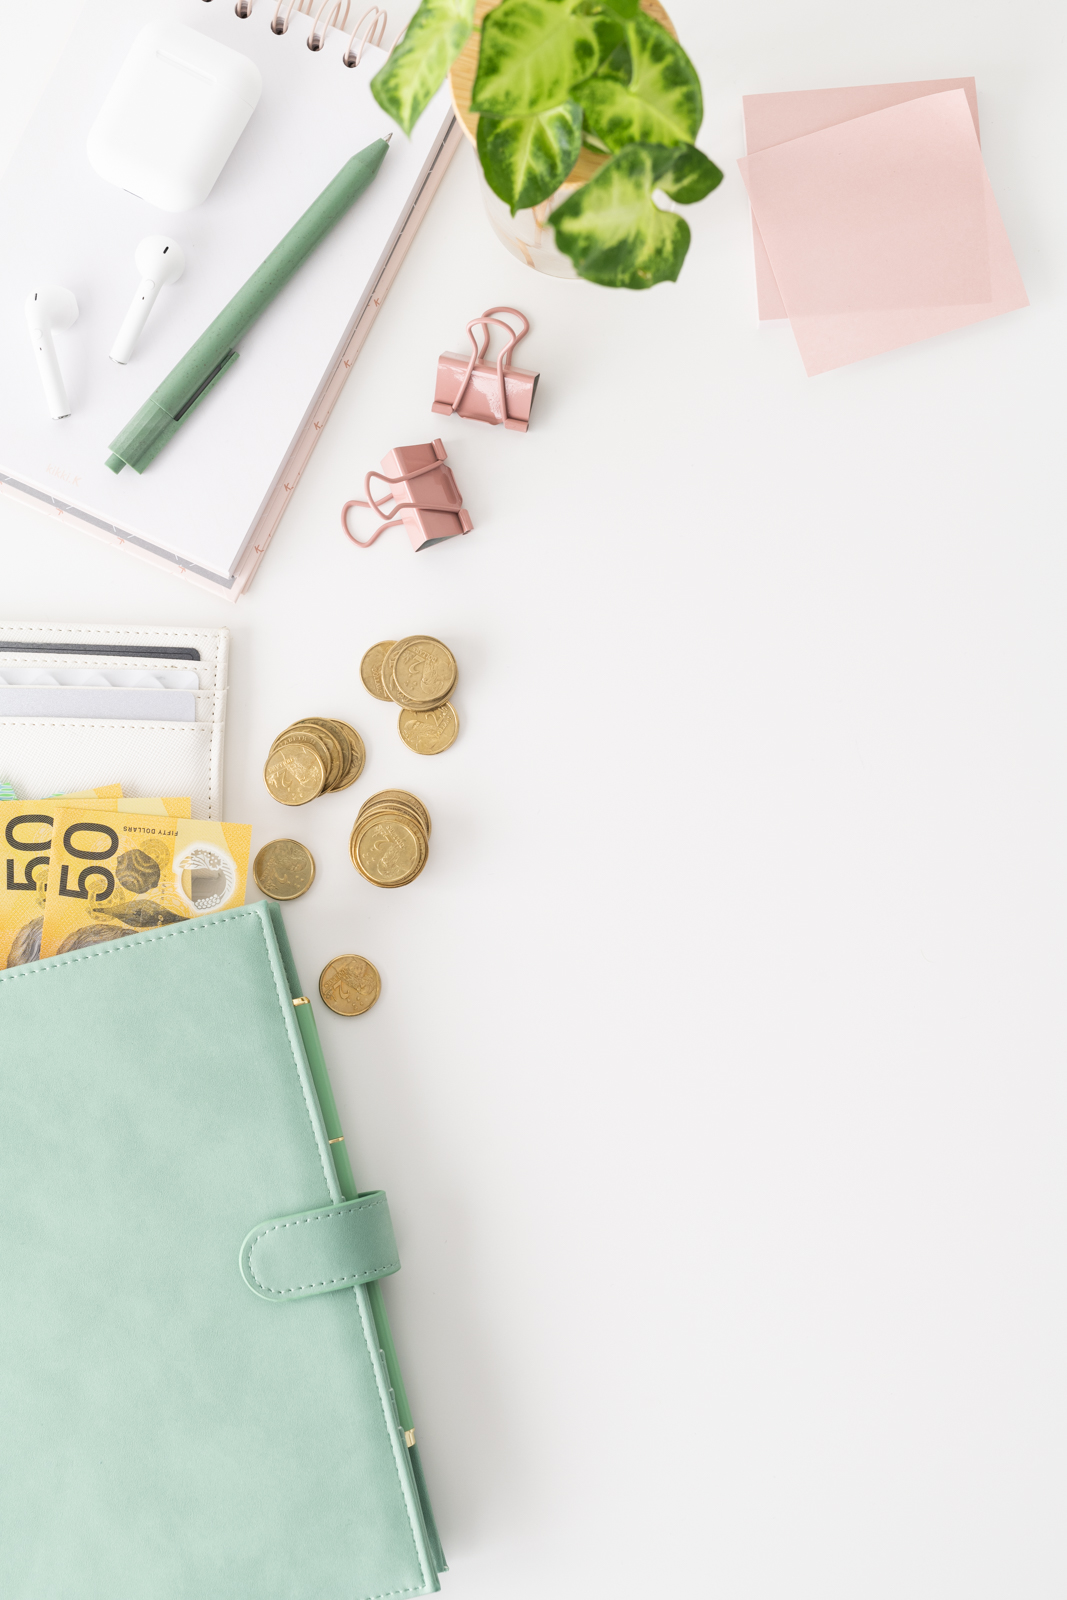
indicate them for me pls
(51, 674)
(204, 672)
(61, 700)
(148, 652)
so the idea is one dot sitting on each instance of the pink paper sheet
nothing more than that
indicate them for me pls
(776, 118)
(879, 231)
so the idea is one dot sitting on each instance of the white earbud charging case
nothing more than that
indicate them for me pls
(173, 115)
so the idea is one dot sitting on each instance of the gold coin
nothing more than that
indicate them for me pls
(337, 759)
(393, 808)
(428, 732)
(284, 869)
(385, 795)
(370, 669)
(357, 752)
(387, 670)
(389, 851)
(294, 774)
(419, 672)
(349, 985)
(301, 733)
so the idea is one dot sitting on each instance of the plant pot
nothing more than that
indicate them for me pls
(528, 234)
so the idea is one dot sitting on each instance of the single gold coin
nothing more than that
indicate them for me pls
(370, 669)
(295, 773)
(318, 729)
(349, 985)
(284, 869)
(303, 734)
(356, 750)
(385, 795)
(419, 672)
(389, 851)
(428, 732)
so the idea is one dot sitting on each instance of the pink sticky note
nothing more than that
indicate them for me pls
(882, 230)
(876, 214)
(776, 118)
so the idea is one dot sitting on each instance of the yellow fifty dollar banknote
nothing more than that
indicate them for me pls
(26, 839)
(25, 844)
(26, 833)
(112, 874)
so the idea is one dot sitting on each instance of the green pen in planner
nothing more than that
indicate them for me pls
(203, 365)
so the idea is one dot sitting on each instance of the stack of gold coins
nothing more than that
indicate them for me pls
(317, 755)
(391, 838)
(419, 674)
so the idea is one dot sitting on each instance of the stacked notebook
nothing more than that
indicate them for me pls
(208, 506)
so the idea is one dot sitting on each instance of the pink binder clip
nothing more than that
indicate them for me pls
(481, 391)
(427, 502)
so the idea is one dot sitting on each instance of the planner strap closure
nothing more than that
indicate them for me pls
(318, 1252)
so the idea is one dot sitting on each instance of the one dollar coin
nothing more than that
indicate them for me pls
(284, 869)
(429, 732)
(349, 985)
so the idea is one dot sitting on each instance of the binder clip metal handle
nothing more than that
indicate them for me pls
(481, 391)
(428, 502)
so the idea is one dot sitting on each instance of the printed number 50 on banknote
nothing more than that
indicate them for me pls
(112, 874)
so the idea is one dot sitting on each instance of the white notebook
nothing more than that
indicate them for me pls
(209, 503)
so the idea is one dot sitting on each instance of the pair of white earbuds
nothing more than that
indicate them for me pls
(159, 260)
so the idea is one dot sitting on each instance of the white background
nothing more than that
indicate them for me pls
(717, 1078)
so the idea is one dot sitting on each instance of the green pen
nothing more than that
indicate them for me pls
(203, 365)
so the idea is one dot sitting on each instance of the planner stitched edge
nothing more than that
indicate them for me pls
(392, 1433)
(359, 1290)
(285, 1000)
(32, 970)
(285, 1008)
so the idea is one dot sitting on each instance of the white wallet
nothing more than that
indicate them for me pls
(43, 755)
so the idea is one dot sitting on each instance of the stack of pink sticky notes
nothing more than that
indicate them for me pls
(873, 217)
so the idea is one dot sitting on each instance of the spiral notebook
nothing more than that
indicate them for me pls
(208, 505)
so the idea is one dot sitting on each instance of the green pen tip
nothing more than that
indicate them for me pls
(114, 463)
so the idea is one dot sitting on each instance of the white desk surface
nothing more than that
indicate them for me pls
(717, 1079)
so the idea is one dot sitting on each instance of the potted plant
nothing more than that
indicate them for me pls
(580, 110)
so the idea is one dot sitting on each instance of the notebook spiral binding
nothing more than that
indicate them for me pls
(370, 29)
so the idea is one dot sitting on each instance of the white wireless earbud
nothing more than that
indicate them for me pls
(48, 308)
(159, 260)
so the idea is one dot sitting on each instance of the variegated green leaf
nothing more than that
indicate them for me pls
(661, 104)
(532, 54)
(611, 40)
(690, 176)
(525, 159)
(614, 233)
(416, 69)
(623, 8)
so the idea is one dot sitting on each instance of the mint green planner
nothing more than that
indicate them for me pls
(199, 1396)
